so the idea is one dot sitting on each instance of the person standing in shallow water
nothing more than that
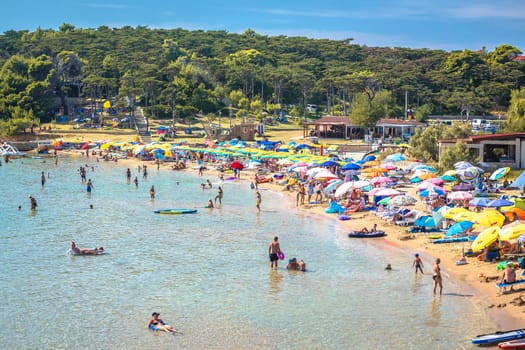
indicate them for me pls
(273, 251)
(89, 186)
(152, 192)
(417, 263)
(258, 201)
(438, 281)
(32, 202)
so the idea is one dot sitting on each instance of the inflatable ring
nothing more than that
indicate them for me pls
(281, 255)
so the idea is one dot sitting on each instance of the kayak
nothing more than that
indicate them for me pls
(176, 211)
(499, 337)
(359, 234)
(513, 344)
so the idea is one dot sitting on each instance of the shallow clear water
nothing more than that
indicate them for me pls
(207, 273)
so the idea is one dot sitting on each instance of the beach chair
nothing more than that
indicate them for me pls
(503, 286)
(407, 219)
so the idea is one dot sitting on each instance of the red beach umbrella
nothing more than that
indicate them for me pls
(236, 165)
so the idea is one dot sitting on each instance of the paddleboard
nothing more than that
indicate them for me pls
(175, 211)
(513, 344)
(498, 337)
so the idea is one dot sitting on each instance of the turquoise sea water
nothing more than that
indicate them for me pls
(207, 273)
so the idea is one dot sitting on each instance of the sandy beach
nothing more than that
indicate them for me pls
(505, 310)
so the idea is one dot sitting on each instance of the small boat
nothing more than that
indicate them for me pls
(359, 234)
(499, 337)
(513, 344)
(175, 211)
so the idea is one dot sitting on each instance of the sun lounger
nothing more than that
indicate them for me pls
(502, 286)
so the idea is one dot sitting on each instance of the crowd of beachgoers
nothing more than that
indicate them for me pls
(475, 214)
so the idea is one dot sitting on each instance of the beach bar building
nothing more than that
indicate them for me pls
(494, 150)
(341, 127)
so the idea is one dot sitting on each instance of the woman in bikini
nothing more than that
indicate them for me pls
(156, 324)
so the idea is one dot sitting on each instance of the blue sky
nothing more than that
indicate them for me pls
(435, 24)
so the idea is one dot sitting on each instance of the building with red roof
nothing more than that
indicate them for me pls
(494, 150)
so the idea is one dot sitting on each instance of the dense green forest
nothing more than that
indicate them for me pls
(182, 73)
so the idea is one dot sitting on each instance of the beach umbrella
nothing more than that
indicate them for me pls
(380, 192)
(464, 216)
(329, 163)
(385, 200)
(351, 166)
(478, 202)
(371, 163)
(396, 157)
(463, 187)
(512, 231)
(369, 158)
(390, 167)
(450, 173)
(426, 185)
(425, 221)
(462, 165)
(347, 186)
(447, 178)
(459, 196)
(402, 200)
(437, 214)
(381, 180)
(437, 191)
(332, 185)
(468, 174)
(489, 218)
(496, 203)
(426, 168)
(436, 181)
(498, 174)
(514, 214)
(313, 171)
(485, 238)
(236, 165)
(351, 172)
(459, 228)
(450, 213)
(285, 162)
(324, 175)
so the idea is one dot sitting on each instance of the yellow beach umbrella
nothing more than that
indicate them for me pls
(464, 216)
(489, 218)
(450, 173)
(509, 232)
(486, 238)
(450, 213)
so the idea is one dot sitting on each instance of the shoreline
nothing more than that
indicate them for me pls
(484, 295)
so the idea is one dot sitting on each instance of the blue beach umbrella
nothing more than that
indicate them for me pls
(459, 228)
(369, 158)
(424, 167)
(351, 166)
(426, 193)
(499, 203)
(478, 202)
(498, 174)
(425, 221)
(329, 163)
(396, 157)
(447, 178)
(415, 179)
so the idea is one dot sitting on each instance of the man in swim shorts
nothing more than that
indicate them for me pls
(273, 251)
(417, 263)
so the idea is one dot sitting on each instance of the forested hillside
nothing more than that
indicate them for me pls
(181, 72)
